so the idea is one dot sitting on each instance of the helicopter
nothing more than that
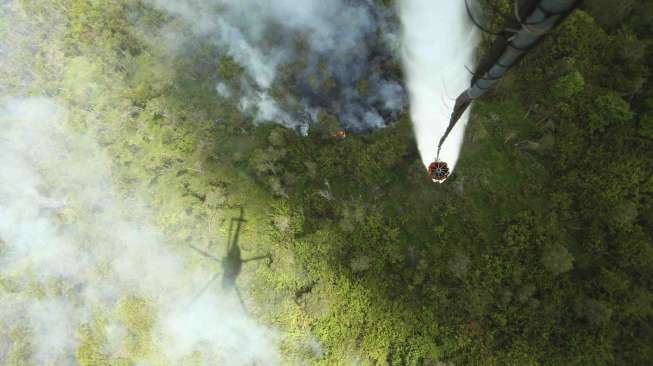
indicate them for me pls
(531, 21)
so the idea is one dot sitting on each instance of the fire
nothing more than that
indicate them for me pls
(339, 134)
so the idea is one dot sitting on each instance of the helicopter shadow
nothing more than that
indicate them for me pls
(232, 262)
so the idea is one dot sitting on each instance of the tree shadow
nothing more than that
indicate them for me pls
(232, 262)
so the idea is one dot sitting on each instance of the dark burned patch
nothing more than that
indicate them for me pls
(362, 88)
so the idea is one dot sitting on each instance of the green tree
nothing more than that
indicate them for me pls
(557, 259)
(568, 86)
(608, 109)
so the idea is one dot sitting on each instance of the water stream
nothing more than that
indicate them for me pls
(438, 44)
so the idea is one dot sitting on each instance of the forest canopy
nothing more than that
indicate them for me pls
(537, 251)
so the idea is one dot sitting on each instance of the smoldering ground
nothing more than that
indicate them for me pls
(341, 57)
(84, 274)
(300, 59)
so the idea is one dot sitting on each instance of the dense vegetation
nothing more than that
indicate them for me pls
(538, 251)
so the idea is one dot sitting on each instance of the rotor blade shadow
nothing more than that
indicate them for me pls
(206, 287)
(205, 253)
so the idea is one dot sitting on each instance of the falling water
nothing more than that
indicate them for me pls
(438, 45)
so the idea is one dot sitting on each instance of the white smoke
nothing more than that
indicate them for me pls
(72, 248)
(439, 42)
(262, 35)
(241, 26)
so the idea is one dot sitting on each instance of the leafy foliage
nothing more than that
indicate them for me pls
(538, 250)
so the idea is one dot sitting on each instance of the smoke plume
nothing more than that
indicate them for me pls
(438, 44)
(334, 56)
(83, 274)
